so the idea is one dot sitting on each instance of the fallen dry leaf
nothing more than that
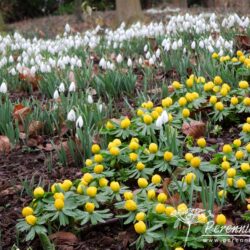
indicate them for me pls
(243, 42)
(195, 129)
(64, 239)
(5, 145)
(35, 127)
(72, 77)
(11, 190)
(20, 112)
(26, 75)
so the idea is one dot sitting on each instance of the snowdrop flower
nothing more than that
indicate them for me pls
(162, 119)
(3, 88)
(145, 48)
(119, 58)
(79, 122)
(67, 28)
(61, 87)
(90, 99)
(174, 45)
(72, 87)
(129, 63)
(56, 94)
(148, 55)
(103, 63)
(100, 107)
(193, 44)
(140, 60)
(201, 44)
(158, 53)
(151, 61)
(71, 116)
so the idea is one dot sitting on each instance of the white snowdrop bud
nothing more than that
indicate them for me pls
(158, 53)
(71, 116)
(61, 87)
(56, 95)
(119, 58)
(3, 88)
(129, 63)
(67, 28)
(193, 44)
(90, 99)
(79, 122)
(72, 87)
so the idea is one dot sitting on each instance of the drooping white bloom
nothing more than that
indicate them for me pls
(193, 44)
(71, 116)
(140, 60)
(129, 63)
(162, 119)
(90, 99)
(67, 28)
(56, 94)
(158, 53)
(100, 107)
(151, 61)
(3, 88)
(72, 87)
(119, 58)
(146, 48)
(61, 87)
(79, 122)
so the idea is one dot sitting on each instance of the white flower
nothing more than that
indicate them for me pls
(56, 95)
(67, 28)
(129, 63)
(79, 122)
(72, 87)
(119, 58)
(158, 53)
(146, 48)
(100, 107)
(71, 115)
(61, 87)
(193, 44)
(162, 119)
(140, 60)
(3, 88)
(90, 99)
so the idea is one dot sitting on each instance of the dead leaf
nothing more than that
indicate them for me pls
(72, 77)
(5, 145)
(243, 42)
(196, 129)
(64, 239)
(35, 127)
(20, 112)
(11, 190)
(26, 75)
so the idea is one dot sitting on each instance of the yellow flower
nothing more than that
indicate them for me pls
(241, 183)
(95, 149)
(189, 97)
(140, 216)
(170, 210)
(109, 125)
(133, 145)
(58, 196)
(89, 207)
(248, 147)
(237, 143)
(154, 114)
(168, 156)
(246, 127)
(87, 177)
(149, 105)
(103, 182)
(239, 53)
(222, 193)
(231, 172)
(189, 157)
(160, 208)
(80, 188)
(219, 106)
(182, 208)
(115, 186)
(26, 211)
(151, 194)
(227, 149)
(91, 191)
(159, 110)
(190, 82)
(167, 102)
(234, 60)
(213, 99)
(140, 166)
(133, 156)
(201, 142)
(140, 112)
(185, 113)
(239, 155)
(221, 219)
(162, 197)
(179, 248)
(156, 179)
(31, 220)
(147, 119)
(66, 185)
(130, 205)
(153, 148)
(195, 162)
(225, 165)
(223, 91)
(125, 123)
(208, 86)
(214, 56)
(98, 169)
(202, 218)
(117, 142)
(248, 120)
(230, 182)
(59, 204)
(245, 166)
(142, 183)
(115, 151)
(38, 192)
(128, 195)
(189, 178)
(98, 158)
(243, 84)
(218, 80)
(182, 101)
(140, 227)
(246, 101)
(176, 85)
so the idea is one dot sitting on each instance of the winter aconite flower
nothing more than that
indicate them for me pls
(195, 162)
(59, 204)
(115, 186)
(38, 192)
(140, 227)
(142, 183)
(89, 207)
(189, 178)
(241, 183)
(162, 197)
(221, 219)
(156, 179)
(27, 211)
(31, 220)
(130, 205)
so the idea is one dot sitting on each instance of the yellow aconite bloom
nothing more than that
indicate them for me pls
(201, 142)
(185, 113)
(248, 147)
(153, 148)
(128, 195)
(87, 177)
(239, 155)
(140, 166)
(221, 219)
(27, 211)
(103, 182)
(38, 192)
(89, 207)
(59, 204)
(248, 120)
(219, 106)
(241, 183)
(133, 145)
(170, 210)
(98, 158)
(208, 86)
(66, 185)
(222, 193)
(231, 172)
(117, 142)
(140, 227)
(140, 112)
(80, 188)
(223, 91)
(133, 156)
(115, 186)
(155, 114)
(168, 156)
(215, 55)
(58, 196)
(188, 157)
(230, 182)
(190, 82)
(218, 80)
(239, 53)
(88, 162)
(109, 125)
(162, 197)
(213, 99)
(98, 169)
(151, 194)
(225, 165)
(182, 208)
(156, 179)
(125, 123)
(149, 105)
(159, 110)
(246, 127)
(245, 166)
(31, 220)
(189, 178)
(182, 101)
(140, 216)
(202, 218)
(195, 162)
(243, 84)
(91, 191)
(114, 151)
(130, 205)
(147, 119)
(176, 85)
(246, 101)
(160, 208)
(167, 102)
(142, 183)
(227, 149)
(95, 148)
(248, 207)
(237, 143)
